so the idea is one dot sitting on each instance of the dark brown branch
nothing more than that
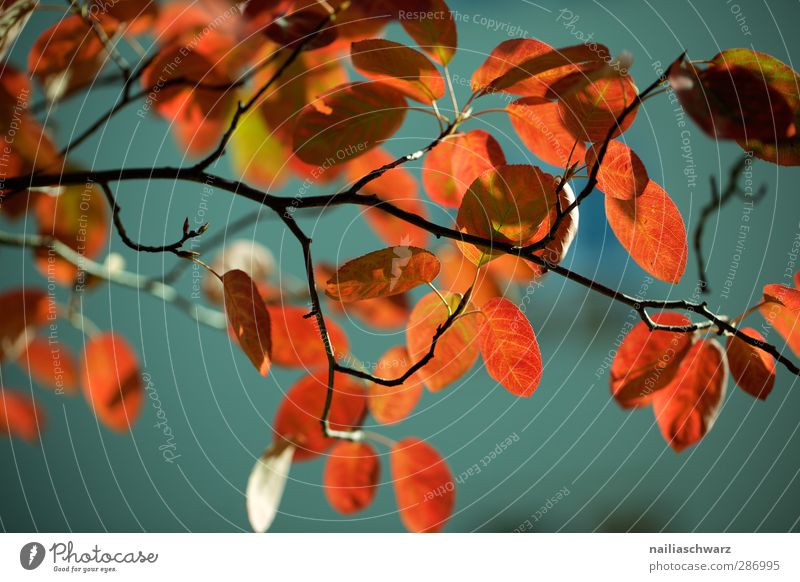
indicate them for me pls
(175, 248)
(718, 200)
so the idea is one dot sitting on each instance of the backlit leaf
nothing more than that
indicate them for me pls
(399, 66)
(112, 383)
(786, 322)
(306, 25)
(248, 318)
(687, 408)
(390, 404)
(266, 484)
(296, 342)
(454, 164)
(351, 476)
(540, 126)
(382, 273)
(509, 348)
(431, 24)
(50, 363)
(786, 296)
(752, 369)
(246, 255)
(423, 486)
(20, 416)
(457, 348)
(458, 273)
(506, 205)
(622, 174)
(350, 120)
(592, 111)
(651, 229)
(647, 361)
(298, 417)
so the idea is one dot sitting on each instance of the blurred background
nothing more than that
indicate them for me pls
(577, 463)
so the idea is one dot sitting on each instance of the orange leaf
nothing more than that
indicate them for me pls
(786, 296)
(289, 30)
(50, 363)
(687, 408)
(247, 255)
(541, 128)
(431, 24)
(752, 369)
(622, 174)
(111, 381)
(506, 204)
(528, 67)
(20, 416)
(390, 404)
(296, 342)
(592, 111)
(23, 310)
(458, 274)
(78, 218)
(509, 348)
(298, 417)
(350, 120)
(651, 229)
(450, 168)
(68, 55)
(382, 273)
(457, 348)
(351, 476)
(398, 187)
(423, 486)
(399, 66)
(646, 361)
(248, 318)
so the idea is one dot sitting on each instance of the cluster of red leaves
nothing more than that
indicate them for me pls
(684, 375)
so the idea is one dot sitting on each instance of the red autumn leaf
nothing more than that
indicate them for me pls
(50, 363)
(112, 383)
(381, 313)
(256, 152)
(509, 268)
(390, 404)
(458, 273)
(786, 322)
(23, 310)
(457, 348)
(622, 174)
(248, 318)
(351, 476)
(246, 255)
(348, 121)
(298, 417)
(68, 55)
(296, 342)
(752, 369)
(687, 408)
(198, 109)
(512, 53)
(20, 416)
(382, 273)
(528, 67)
(78, 218)
(592, 111)
(509, 348)
(431, 24)
(742, 94)
(423, 486)
(450, 168)
(396, 186)
(651, 229)
(647, 361)
(786, 296)
(400, 67)
(299, 26)
(540, 126)
(507, 205)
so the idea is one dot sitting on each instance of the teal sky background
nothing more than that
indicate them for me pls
(614, 471)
